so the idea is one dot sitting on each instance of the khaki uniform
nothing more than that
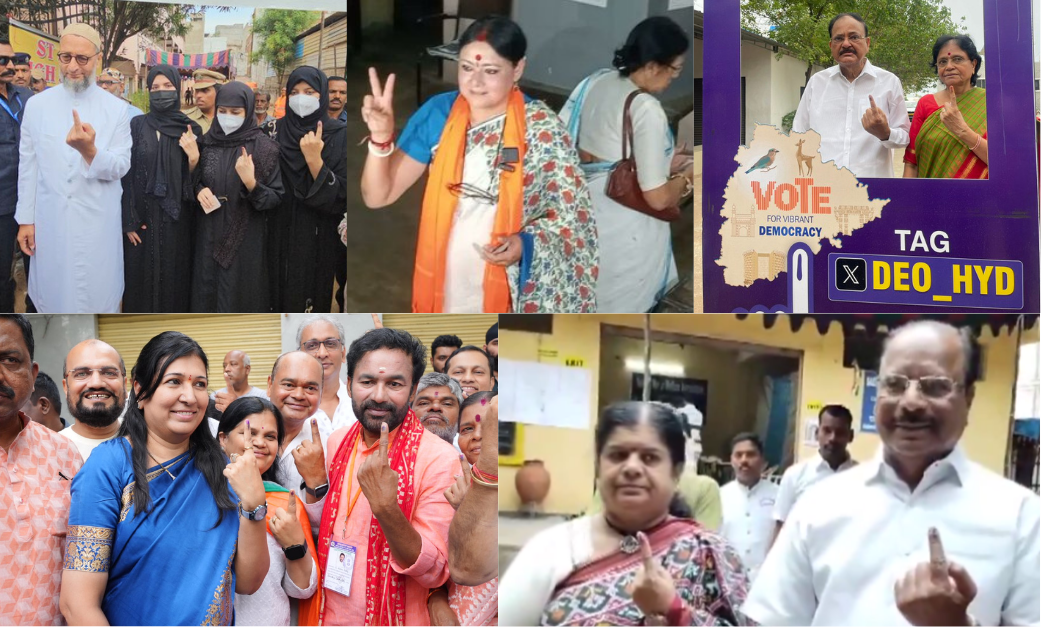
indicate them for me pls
(195, 114)
(204, 79)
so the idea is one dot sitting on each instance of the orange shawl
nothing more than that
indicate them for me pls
(435, 224)
(310, 609)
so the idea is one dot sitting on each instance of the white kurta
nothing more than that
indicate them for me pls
(78, 263)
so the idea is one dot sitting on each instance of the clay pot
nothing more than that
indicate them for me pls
(532, 482)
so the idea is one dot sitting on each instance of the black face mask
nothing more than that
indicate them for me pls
(162, 101)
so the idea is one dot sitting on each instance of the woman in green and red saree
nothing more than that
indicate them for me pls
(642, 561)
(949, 129)
(507, 223)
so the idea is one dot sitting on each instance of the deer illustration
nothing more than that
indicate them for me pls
(803, 159)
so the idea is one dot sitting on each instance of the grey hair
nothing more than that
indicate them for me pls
(969, 345)
(314, 319)
(440, 380)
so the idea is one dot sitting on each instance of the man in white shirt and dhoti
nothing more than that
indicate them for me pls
(857, 108)
(74, 151)
(920, 535)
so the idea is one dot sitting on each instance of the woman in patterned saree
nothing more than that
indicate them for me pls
(643, 561)
(154, 537)
(506, 224)
(949, 129)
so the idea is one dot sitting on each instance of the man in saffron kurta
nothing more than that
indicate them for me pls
(74, 151)
(387, 478)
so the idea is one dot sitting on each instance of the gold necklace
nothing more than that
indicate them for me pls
(160, 464)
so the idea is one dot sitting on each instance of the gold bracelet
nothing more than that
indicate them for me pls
(479, 481)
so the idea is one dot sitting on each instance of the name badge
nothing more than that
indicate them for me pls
(339, 567)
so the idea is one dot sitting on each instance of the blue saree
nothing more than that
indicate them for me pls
(168, 567)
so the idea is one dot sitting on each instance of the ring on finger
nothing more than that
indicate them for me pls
(234, 456)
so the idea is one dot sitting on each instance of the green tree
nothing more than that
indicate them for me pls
(278, 29)
(902, 31)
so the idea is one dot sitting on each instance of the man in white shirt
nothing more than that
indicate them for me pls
(437, 404)
(69, 185)
(865, 548)
(95, 390)
(834, 433)
(295, 388)
(236, 376)
(748, 503)
(323, 338)
(857, 108)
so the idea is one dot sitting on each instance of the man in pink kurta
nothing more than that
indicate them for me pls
(383, 368)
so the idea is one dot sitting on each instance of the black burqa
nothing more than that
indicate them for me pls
(159, 206)
(305, 237)
(230, 267)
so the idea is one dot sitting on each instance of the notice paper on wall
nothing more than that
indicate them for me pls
(547, 395)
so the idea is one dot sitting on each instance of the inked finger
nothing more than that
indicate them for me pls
(292, 503)
(937, 557)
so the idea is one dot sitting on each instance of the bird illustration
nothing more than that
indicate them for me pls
(766, 163)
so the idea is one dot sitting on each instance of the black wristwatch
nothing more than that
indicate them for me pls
(318, 493)
(295, 552)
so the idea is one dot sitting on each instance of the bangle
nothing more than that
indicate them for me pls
(479, 481)
(979, 140)
(484, 476)
(688, 185)
(385, 152)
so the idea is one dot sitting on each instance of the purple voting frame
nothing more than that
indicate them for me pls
(993, 222)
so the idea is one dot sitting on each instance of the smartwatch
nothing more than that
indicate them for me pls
(318, 493)
(258, 514)
(295, 552)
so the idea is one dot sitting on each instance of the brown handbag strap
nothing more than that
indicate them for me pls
(627, 125)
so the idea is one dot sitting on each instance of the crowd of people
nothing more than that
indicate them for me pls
(369, 501)
(918, 534)
(948, 135)
(216, 208)
(516, 216)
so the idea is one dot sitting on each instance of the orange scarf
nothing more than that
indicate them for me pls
(310, 609)
(435, 224)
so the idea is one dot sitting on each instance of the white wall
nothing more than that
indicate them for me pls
(788, 76)
(354, 326)
(54, 336)
(756, 68)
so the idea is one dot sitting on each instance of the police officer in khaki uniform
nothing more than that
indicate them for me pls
(37, 82)
(206, 84)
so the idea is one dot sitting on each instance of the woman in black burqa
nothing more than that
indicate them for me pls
(313, 154)
(238, 168)
(158, 204)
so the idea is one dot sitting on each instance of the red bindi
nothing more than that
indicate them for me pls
(479, 57)
(478, 418)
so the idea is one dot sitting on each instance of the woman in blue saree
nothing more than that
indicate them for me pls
(154, 537)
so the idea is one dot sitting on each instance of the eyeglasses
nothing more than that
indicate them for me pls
(853, 39)
(18, 58)
(943, 62)
(82, 374)
(332, 344)
(930, 387)
(108, 83)
(67, 58)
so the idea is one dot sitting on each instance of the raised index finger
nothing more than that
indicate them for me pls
(384, 441)
(374, 84)
(872, 99)
(937, 557)
(464, 465)
(316, 437)
(247, 440)
(292, 503)
(75, 117)
(645, 550)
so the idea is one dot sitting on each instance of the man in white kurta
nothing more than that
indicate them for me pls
(72, 201)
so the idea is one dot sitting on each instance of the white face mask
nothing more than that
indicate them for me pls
(303, 105)
(230, 123)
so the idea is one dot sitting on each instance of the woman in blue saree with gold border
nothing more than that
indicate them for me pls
(153, 534)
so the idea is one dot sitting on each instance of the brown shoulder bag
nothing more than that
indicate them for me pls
(623, 186)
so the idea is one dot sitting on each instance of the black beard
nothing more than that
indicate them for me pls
(97, 417)
(397, 415)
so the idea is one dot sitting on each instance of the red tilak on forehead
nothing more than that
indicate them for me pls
(479, 56)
